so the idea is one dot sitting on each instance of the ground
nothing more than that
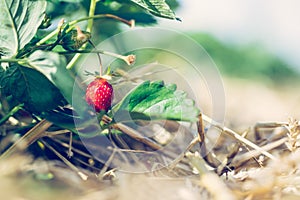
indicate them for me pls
(247, 103)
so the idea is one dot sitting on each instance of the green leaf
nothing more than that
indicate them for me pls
(30, 87)
(19, 21)
(156, 7)
(53, 66)
(155, 100)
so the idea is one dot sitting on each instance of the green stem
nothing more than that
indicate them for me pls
(89, 28)
(99, 58)
(91, 14)
(129, 23)
(72, 23)
(15, 60)
(91, 51)
(47, 37)
(11, 113)
(115, 55)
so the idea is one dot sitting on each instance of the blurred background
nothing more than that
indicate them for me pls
(255, 44)
(272, 24)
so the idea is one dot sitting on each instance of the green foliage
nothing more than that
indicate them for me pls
(53, 66)
(251, 61)
(33, 74)
(19, 22)
(155, 100)
(30, 87)
(156, 7)
(126, 9)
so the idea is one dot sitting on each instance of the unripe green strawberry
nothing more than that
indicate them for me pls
(99, 94)
(73, 40)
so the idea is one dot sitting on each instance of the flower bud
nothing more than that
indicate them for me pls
(74, 39)
(45, 23)
(129, 59)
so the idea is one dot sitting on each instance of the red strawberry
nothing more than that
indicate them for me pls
(99, 94)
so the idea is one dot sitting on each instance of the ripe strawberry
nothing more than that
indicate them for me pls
(99, 94)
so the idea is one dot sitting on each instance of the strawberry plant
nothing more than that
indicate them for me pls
(43, 91)
(75, 93)
(38, 70)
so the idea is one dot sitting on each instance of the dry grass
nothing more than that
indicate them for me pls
(261, 162)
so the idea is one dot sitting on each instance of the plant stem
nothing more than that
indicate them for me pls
(47, 37)
(99, 58)
(72, 23)
(15, 60)
(89, 28)
(91, 14)
(97, 51)
(11, 113)
(129, 23)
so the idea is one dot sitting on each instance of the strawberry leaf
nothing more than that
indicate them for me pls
(156, 7)
(53, 66)
(30, 87)
(19, 22)
(156, 101)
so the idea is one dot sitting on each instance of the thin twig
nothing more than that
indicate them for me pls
(207, 156)
(181, 156)
(54, 133)
(266, 125)
(237, 161)
(115, 146)
(137, 136)
(31, 136)
(66, 145)
(107, 164)
(238, 137)
(70, 153)
(68, 163)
